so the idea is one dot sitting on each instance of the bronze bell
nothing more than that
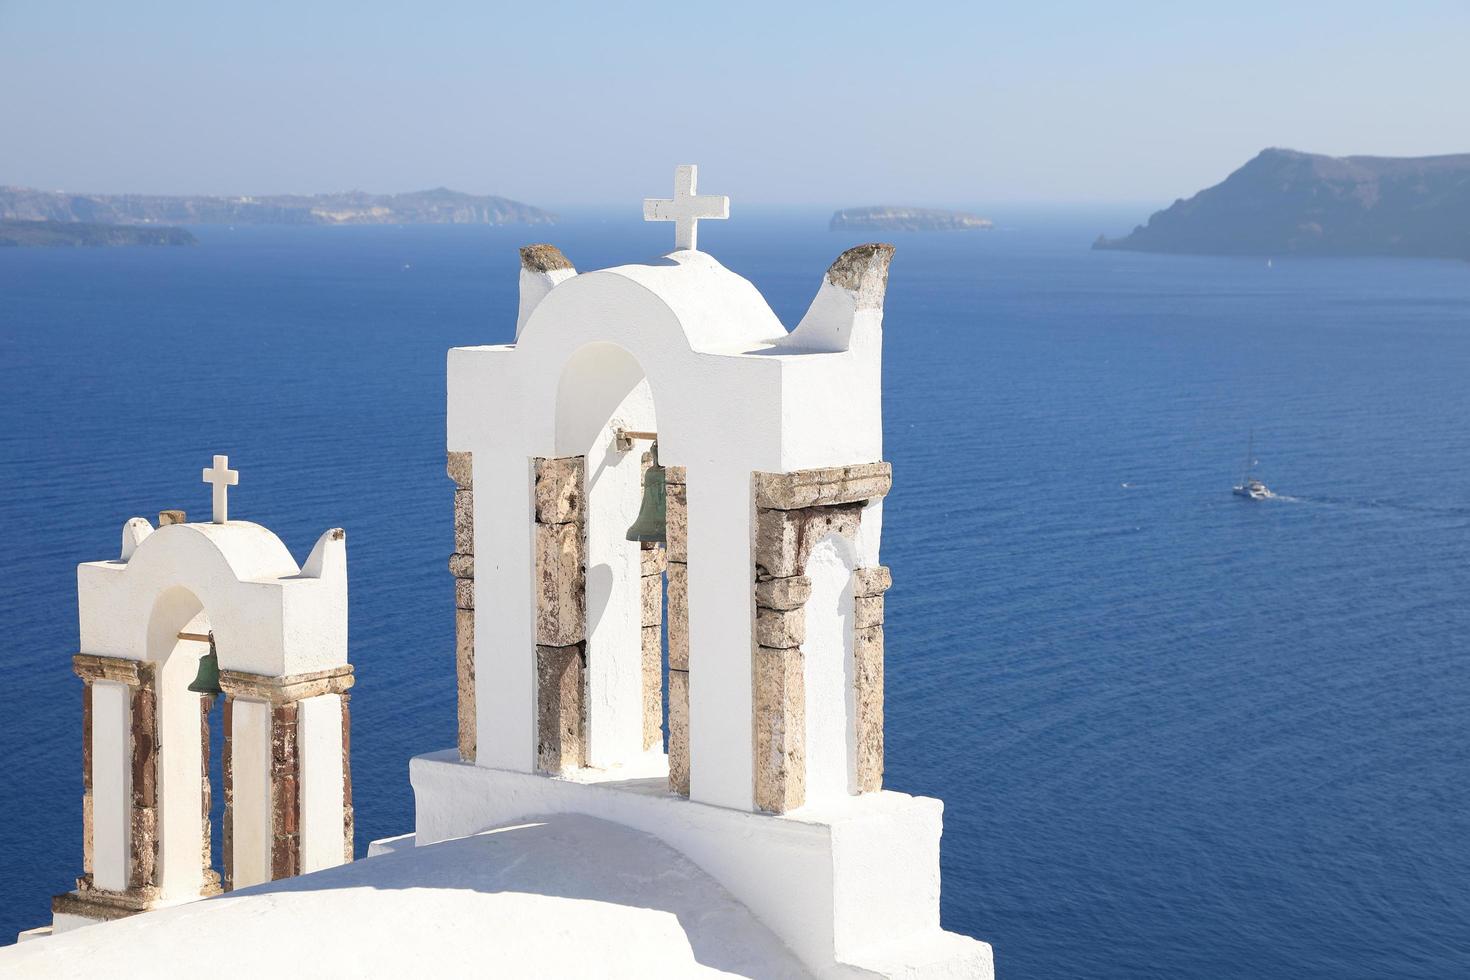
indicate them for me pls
(207, 680)
(652, 521)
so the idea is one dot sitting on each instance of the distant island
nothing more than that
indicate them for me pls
(73, 233)
(1288, 203)
(435, 207)
(906, 219)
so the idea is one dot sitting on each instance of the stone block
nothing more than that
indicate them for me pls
(653, 687)
(461, 470)
(462, 565)
(464, 522)
(780, 628)
(676, 521)
(145, 746)
(167, 517)
(875, 580)
(678, 605)
(464, 672)
(652, 560)
(653, 599)
(560, 728)
(868, 698)
(464, 593)
(817, 523)
(780, 729)
(144, 848)
(823, 487)
(867, 611)
(87, 831)
(561, 585)
(679, 731)
(676, 475)
(777, 543)
(559, 492)
(783, 593)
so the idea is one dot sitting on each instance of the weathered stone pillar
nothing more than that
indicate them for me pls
(794, 511)
(281, 712)
(144, 853)
(285, 798)
(211, 884)
(869, 584)
(86, 778)
(653, 564)
(462, 567)
(349, 815)
(227, 786)
(677, 496)
(119, 789)
(561, 614)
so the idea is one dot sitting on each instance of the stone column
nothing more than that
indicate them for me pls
(676, 480)
(285, 798)
(462, 567)
(119, 789)
(144, 712)
(794, 511)
(561, 614)
(227, 786)
(211, 884)
(280, 712)
(869, 584)
(653, 564)
(86, 778)
(349, 815)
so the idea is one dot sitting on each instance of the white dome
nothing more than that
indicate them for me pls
(565, 896)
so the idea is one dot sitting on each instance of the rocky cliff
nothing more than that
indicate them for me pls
(61, 233)
(1283, 202)
(906, 219)
(439, 206)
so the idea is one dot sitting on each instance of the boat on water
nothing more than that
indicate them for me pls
(1250, 487)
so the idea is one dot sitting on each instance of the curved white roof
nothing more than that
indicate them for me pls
(719, 311)
(568, 896)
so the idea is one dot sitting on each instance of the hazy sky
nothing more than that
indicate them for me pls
(779, 103)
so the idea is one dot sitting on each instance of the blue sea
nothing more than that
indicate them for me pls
(1178, 734)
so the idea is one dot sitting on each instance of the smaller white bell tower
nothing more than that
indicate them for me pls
(187, 614)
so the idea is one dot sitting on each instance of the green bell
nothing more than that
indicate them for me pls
(653, 513)
(207, 680)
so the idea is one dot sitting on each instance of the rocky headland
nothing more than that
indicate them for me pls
(1284, 202)
(439, 206)
(82, 233)
(906, 219)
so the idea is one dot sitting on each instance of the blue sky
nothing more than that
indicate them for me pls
(779, 103)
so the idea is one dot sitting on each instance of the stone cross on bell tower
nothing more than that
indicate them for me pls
(686, 208)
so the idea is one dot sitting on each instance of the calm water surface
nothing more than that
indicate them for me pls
(1178, 734)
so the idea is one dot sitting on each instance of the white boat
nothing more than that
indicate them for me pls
(1250, 487)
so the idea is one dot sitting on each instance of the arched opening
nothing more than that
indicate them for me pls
(828, 668)
(185, 797)
(603, 389)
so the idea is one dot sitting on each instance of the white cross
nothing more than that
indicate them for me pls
(686, 208)
(223, 478)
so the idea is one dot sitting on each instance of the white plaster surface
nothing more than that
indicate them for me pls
(319, 742)
(250, 739)
(601, 390)
(269, 617)
(111, 784)
(857, 877)
(559, 896)
(827, 655)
